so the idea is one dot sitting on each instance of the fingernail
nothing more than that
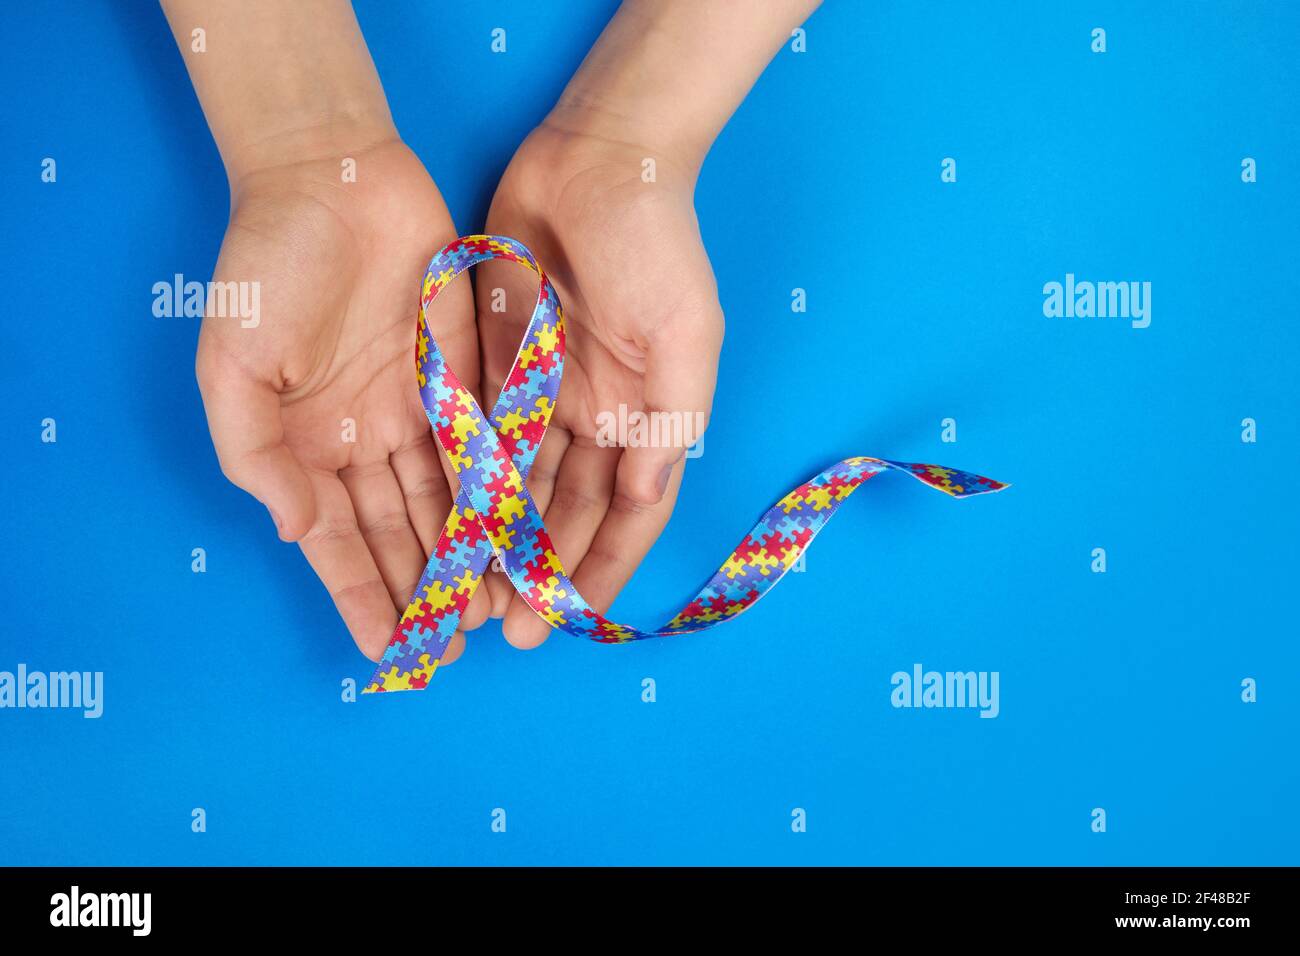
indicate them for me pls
(661, 482)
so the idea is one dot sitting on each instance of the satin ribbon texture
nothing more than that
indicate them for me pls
(494, 513)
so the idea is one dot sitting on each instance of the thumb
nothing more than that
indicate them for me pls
(247, 431)
(680, 375)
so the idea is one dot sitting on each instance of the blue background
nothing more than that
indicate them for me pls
(1118, 690)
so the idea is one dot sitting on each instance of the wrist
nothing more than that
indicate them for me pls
(629, 88)
(303, 140)
(280, 82)
(618, 124)
(667, 75)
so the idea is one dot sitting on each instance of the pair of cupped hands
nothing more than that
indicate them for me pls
(316, 410)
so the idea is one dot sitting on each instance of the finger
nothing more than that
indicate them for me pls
(451, 320)
(424, 488)
(247, 432)
(380, 508)
(478, 608)
(624, 539)
(546, 466)
(428, 502)
(455, 647)
(583, 489)
(541, 485)
(680, 375)
(480, 603)
(430, 486)
(339, 556)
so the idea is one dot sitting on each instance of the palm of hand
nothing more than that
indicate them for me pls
(644, 330)
(315, 411)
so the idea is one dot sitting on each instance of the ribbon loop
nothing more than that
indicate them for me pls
(495, 514)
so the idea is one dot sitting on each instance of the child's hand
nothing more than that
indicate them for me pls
(602, 194)
(621, 243)
(315, 409)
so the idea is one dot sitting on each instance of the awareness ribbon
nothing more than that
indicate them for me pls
(495, 514)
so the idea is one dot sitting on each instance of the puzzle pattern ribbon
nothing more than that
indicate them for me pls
(494, 513)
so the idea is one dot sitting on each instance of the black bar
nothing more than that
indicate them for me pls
(369, 905)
